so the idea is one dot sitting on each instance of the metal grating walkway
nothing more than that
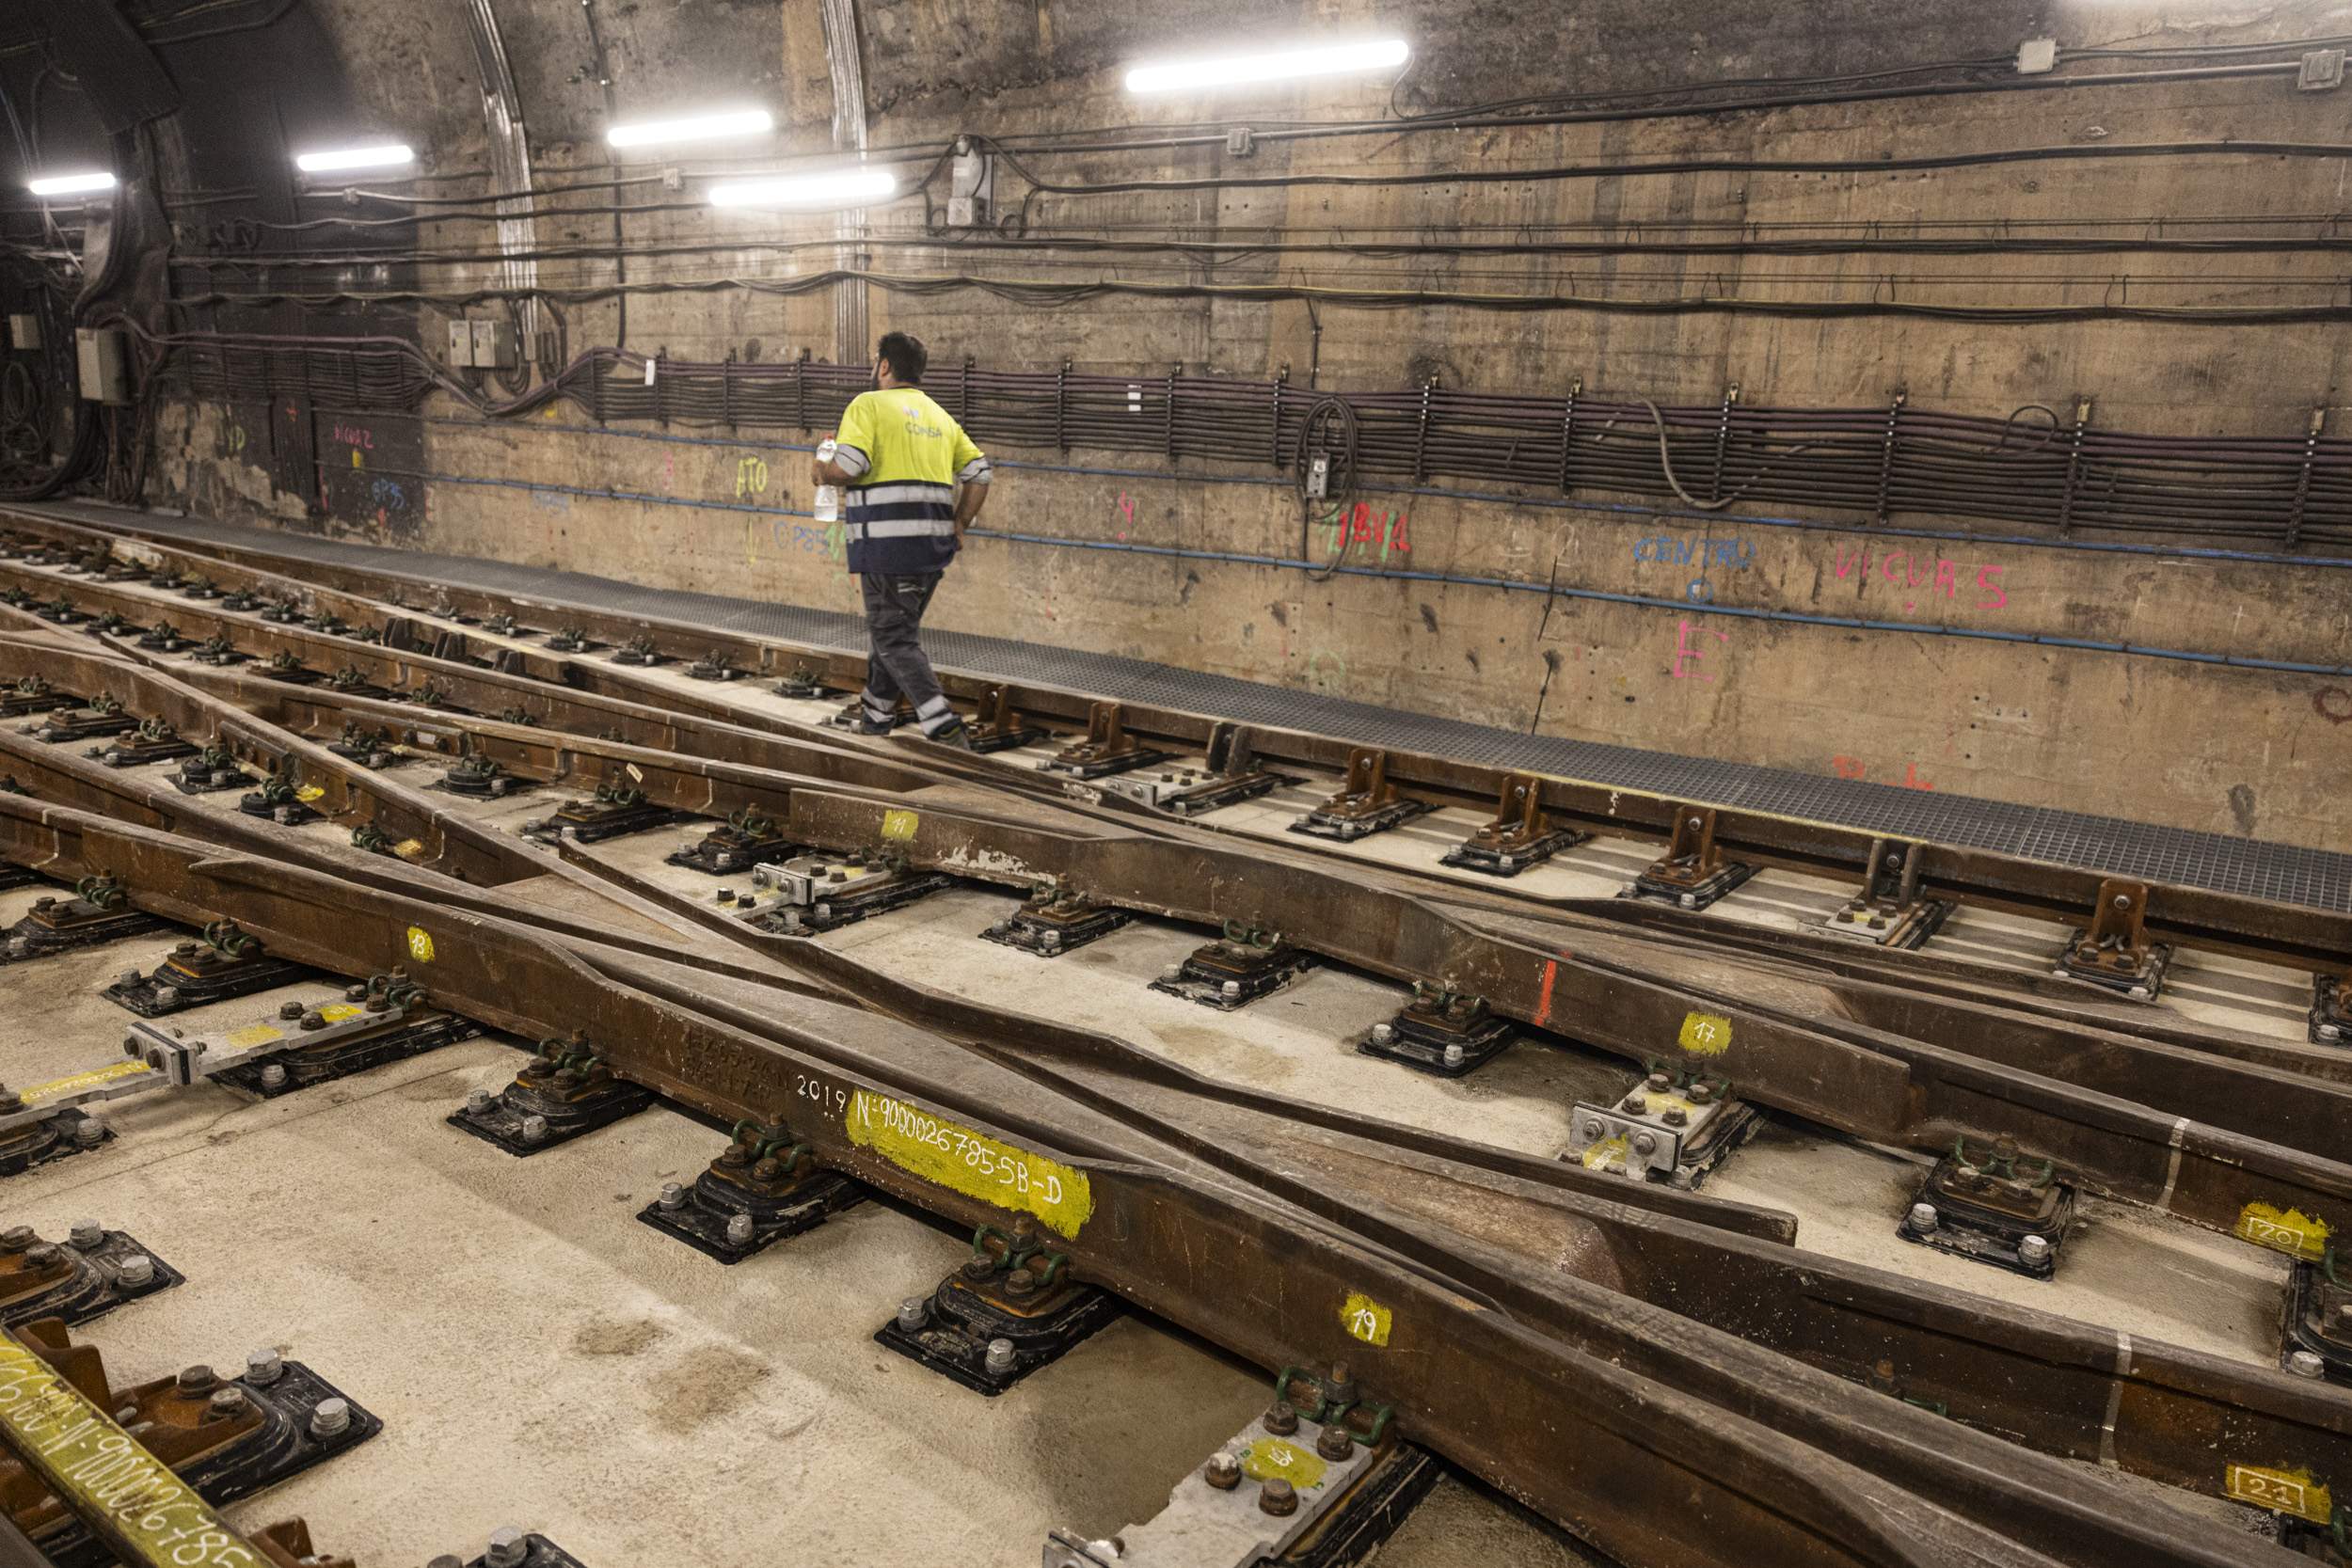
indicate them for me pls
(2258, 870)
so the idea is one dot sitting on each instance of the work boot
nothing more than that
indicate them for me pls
(954, 734)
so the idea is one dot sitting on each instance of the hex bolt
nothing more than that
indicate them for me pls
(1594, 1131)
(333, 1416)
(509, 1547)
(2034, 1250)
(2330, 1031)
(1688, 900)
(2304, 1363)
(263, 1366)
(999, 1359)
(534, 1129)
(1923, 1216)
(1635, 1104)
(355, 993)
(1049, 939)
(198, 1380)
(89, 1132)
(739, 1229)
(167, 996)
(226, 1402)
(1333, 1442)
(1277, 1498)
(1172, 973)
(1281, 1419)
(672, 1195)
(136, 1271)
(478, 1101)
(1223, 1471)
(87, 1234)
(312, 1020)
(1229, 990)
(1454, 1055)
(1383, 1033)
(290, 1010)
(273, 1076)
(16, 1238)
(43, 1254)
(824, 911)
(1676, 1116)
(1644, 1143)
(912, 1313)
(1658, 1083)
(128, 978)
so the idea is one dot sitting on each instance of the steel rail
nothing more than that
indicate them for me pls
(2195, 916)
(1589, 1420)
(2202, 1137)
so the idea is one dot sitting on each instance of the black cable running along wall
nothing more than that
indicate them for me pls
(2039, 467)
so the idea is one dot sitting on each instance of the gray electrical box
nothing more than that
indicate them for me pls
(494, 345)
(24, 331)
(105, 366)
(461, 345)
(971, 188)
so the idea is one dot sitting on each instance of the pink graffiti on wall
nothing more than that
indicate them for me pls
(1920, 577)
(1688, 654)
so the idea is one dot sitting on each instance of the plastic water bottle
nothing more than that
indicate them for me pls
(827, 504)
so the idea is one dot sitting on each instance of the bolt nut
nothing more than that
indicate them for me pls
(2330, 1030)
(1277, 1498)
(1230, 989)
(290, 1010)
(198, 1380)
(739, 1229)
(331, 1418)
(1595, 1131)
(478, 1101)
(1456, 1055)
(273, 1076)
(1172, 973)
(1281, 1419)
(2033, 1249)
(1635, 1104)
(999, 1360)
(43, 1254)
(672, 1195)
(1021, 1282)
(16, 1238)
(1923, 1216)
(912, 1313)
(263, 1366)
(1333, 1442)
(1658, 1083)
(226, 1402)
(1223, 1471)
(136, 1271)
(534, 1129)
(1646, 1144)
(87, 1234)
(1675, 1116)
(89, 1132)
(2303, 1363)
(167, 996)
(1383, 1033)
(509, 1548)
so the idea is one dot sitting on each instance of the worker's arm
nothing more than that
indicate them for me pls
(853, 448)
(972, 472)
(968, 503)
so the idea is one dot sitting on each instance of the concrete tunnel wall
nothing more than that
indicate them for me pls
(2161, 735)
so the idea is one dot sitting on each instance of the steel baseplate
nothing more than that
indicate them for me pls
(98, 911)
(225, 1438)
(746, 839)
(153, 741)
(279, 801)
(1889, 912)
(2331, 1008)
(1366, 804)
(763, 1189)
(2316, 1337)
(101, 719)
(998, 727)
(572, 639)
(615, 811)
(1674, 1126)
(209, 771)
(32, 695)
(1056, 921)
(479, 778)
(565, 1093)
(1693, 873)
(716, 665)
(226, 964)
(1993, 1206)
(1290, 1490)
(1520, 836)
(1235, 969)
(819, 891)
(802, 682)
(1442, 1032)
(2115, 951)
(32, 1143)
(516, 1548)
(87, 1276)
(1010, 1309)
(639, 652)
(371, 746)
(1107, 748)
(388, 1020)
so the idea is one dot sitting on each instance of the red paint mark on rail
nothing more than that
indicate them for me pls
(1543, 1002)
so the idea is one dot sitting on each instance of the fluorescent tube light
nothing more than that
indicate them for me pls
(380, 155)
(1280, 65)
(847, 188)
(733, 122)
(71, 184)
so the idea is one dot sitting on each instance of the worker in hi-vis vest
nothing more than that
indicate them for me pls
(902, 458)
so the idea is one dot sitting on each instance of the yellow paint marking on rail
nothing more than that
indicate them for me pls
(337, 1011)
(95, 1078)
(2292, 1232)
(1366, 1319)
(253, 1035)
(970, 1162)
(1271, 1458)
(1705, 1034)
(139, 1507)
(898, 825)
(420, 944)
(2280, 1491)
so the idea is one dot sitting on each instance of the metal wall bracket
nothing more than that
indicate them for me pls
(1367, 803)
(1520, 836)
(1889, 910)
(1234, 971)
(2115, 952)
(1010, 1309)
(1693, 873)
(1107, 748)
(1994, 1207)
(763, 1188)
(565, 1093)
(87, 1276)
(1443, 1032)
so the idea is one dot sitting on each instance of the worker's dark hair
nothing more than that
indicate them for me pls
(907, 356)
